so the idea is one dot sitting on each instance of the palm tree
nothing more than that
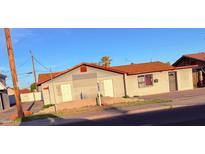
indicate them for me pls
(105, 61)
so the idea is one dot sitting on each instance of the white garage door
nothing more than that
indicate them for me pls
(108, 88)
(66, 92)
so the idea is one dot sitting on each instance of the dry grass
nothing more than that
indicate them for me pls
(89, 109)
(134, 103)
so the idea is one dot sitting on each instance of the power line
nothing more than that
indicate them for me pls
(41, 63)
(23, 63)
(25, 73)
(40, 71)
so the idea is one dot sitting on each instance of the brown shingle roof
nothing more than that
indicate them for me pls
(44, 77)
(144, 68)
(131, 69)
(199, 56)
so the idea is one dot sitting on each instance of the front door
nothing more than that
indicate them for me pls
(66, 92)
(108, 88)
(172, 81)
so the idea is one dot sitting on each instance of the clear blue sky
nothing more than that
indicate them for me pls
(63, 48)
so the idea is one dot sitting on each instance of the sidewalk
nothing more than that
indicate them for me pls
(28, 106)
(112, 112)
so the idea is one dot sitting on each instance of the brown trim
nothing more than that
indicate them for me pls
(186, 67)
(150, 72)
(186, 56)
(194, 58)
(175, 63)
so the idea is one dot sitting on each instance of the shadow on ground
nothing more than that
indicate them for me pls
(184, 116)
(53, 120)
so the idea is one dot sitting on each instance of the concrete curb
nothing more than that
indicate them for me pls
(55, 122)
(103, 116)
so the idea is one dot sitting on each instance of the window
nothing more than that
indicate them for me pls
(145, 80)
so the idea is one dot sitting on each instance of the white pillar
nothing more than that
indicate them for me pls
(125, 84)
(200, 78)
(99, 94)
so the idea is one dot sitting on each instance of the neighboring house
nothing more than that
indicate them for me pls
(84, 80)
(11, 95)
(197, 59)
(4, 100)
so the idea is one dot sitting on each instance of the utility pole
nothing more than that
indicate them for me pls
(13, 73)
(34, 70)
(51, 76)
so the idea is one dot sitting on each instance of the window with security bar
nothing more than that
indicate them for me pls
(145, 80)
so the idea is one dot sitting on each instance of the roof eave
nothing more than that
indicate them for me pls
(151, 71)
(194, 58)
(175, 63)
(86, 64)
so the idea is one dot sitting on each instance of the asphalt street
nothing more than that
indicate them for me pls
(184, 116)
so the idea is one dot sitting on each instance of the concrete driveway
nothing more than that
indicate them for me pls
(30, 106)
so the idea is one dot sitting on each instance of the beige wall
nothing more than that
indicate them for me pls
(82, 85)
(30, 97)
(185, 79)
(184, 82)
(89, 86)
(162, 86)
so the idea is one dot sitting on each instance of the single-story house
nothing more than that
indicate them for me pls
(86, 80)
(4, 99)
(197, 59)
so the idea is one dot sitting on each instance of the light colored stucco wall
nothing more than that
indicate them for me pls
(185, 79)
(184, 82)
(31, 97)
(55, 96)
(162, 86)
